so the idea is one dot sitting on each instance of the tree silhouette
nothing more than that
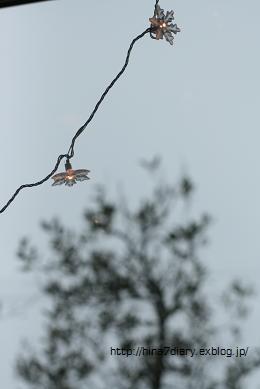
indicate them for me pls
(128, 282)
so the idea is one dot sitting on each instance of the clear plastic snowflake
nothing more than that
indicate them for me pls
(162, 26)
(70, 177)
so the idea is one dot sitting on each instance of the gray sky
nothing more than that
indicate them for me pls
(195, 104)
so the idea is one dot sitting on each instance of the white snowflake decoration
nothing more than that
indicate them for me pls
(70, 177)
(162, 26)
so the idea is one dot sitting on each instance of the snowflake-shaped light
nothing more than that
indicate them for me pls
(162, 26)
(70, 177)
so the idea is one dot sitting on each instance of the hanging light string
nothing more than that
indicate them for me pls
(152, 29)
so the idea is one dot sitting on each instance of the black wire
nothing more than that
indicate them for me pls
(81, 129)
(35, 183)
(70, 153)
(11, 3)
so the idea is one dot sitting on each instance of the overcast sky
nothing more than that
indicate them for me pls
(196, 104)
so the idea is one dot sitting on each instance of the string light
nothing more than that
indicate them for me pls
(160, 27)
(162, 24)
(70, 177)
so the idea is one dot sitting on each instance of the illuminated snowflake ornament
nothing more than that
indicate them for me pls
(161, 25)
(70, 177)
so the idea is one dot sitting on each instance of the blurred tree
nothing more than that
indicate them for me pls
(130, 280)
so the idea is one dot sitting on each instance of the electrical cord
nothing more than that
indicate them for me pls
(70, 152)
